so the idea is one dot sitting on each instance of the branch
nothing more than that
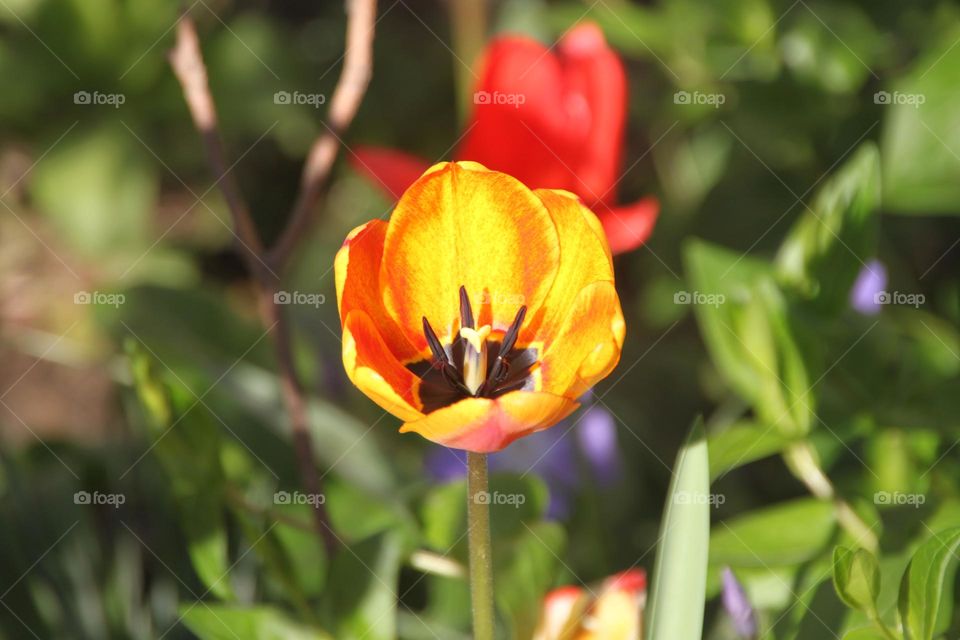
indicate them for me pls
(347, 96)
(187, 62)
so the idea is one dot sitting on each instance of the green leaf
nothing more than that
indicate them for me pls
(856, 577)
(365, 593)
(785, 534)
(98, 190)
(729, 280)
(832, 240)
(921, 133)
(222, 622)
(187, 443)
(678, 592)
(926, 587)
(357, 513)
(745, 322)
(834, 58)
(868, 633)
(525, 570)
(742, 443)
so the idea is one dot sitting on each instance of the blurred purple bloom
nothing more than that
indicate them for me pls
(738, 606)
(444, 464)
(870, 284)
(597, 435)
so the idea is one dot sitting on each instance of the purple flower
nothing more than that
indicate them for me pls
(597, 435)
(869, 288)
(738, 606)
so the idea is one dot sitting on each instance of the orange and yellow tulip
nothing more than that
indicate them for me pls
(612, 612)
(481, 310)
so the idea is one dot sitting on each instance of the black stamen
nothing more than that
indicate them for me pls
(511, 336)
(435, 347)
(501, 367)
(452, 374)
(440, 359)
(466, 311)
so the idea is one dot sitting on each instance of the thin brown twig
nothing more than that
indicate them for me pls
(187, 62)
(188, 66)
(347, 96)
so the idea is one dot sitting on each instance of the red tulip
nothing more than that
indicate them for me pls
(552, 118)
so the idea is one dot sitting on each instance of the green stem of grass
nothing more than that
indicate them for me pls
(803, 463)
(481, 557)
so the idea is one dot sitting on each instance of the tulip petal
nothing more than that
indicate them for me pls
(593, 70)
(357, 269)
(629, 226)
(587, 346)
(585, 259)
(564, 610)
(551, 117)
(461, 224)
(616, 616)
(390, 170)
(372, 367)
(483, 425)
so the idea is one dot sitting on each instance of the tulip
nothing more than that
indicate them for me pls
(552, 118)
(482, 310)
(613, 612)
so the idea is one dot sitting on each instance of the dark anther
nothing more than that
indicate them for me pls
(509, 339)
(440, 359)
(448, 362)
(466, 312)
(435, 347)
(500, 366)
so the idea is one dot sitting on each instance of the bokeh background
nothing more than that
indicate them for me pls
(135, 368)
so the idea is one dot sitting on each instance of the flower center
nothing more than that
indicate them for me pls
(474, 364)
(475, 356)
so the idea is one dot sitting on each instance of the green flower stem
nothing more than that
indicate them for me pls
(481, 558)
(803, 463)
(469, 25)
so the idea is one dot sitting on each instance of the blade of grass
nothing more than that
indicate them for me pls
(675, 610)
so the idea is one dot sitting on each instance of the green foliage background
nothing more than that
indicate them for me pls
(775, 200)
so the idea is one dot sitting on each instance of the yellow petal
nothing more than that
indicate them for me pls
(372, 367)
(357, 269)
(584, 259)
(460, 224)
(587, 345)
(616, 616)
